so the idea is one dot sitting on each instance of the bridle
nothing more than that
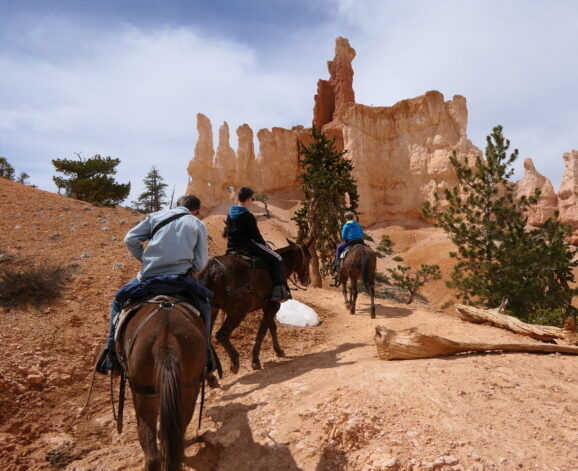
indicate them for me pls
(304, 265)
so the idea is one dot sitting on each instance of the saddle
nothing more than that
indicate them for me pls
(250, 260)
(349, 247)
(162, 300)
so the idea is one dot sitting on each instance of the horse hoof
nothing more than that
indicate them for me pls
(234, 369)
(280, 354)
(256, 365)
(212, 381)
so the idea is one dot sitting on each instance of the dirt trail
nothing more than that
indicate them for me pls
(330, 405)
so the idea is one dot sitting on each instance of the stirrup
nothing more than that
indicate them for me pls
(107, 361)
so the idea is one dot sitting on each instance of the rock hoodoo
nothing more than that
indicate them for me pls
(548, 201)
(568, 193)
(400, 152)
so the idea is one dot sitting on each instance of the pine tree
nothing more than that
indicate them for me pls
(497, 258)
(23, 178)
(90, 180)
(154, 196)
(6, 170)
(325, 182)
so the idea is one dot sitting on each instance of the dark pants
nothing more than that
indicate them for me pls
(341, 247)
(273, 259)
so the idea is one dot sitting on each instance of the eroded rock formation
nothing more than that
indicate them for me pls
(400, 152)
(212, 173)
(548, 200)
(568, 193)
(336, 92)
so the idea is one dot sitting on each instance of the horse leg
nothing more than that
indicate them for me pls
(353, 295)
(273, 331)
(147, 411)
(372, 295)
(232, 321)
(269, 310)
(344, 289)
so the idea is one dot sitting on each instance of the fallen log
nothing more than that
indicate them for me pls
(411, 344)
(493, 317)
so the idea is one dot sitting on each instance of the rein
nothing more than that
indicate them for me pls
(294, 280)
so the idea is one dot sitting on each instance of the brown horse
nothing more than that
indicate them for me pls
(239, 289)
(163, 348)
(359, 262)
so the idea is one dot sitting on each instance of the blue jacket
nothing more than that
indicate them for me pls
(351, 230)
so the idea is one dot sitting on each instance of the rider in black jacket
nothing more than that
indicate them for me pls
(242, 232)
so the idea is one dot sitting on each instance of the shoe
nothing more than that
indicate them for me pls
(280, 294)
(107, 361)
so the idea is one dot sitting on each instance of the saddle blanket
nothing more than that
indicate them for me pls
(347, 249)
(123, 316)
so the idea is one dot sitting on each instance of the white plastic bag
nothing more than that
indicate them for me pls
(297, 314)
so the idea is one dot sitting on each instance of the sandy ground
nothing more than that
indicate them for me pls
(329, 405)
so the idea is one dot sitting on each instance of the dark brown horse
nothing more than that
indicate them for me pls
(239, 289)
(359, 262)
(163, 349)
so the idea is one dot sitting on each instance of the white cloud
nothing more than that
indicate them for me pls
(70, 86)
(134, 95)
(513, 60)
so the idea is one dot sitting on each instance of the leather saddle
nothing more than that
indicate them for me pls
(248, 258)
(348, 248)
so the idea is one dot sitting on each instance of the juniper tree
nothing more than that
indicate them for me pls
(154, 196)
(23, 178)
(6, 170)
(262, 198)
(90, 180)
(410, 280)
(325, 182)
(497, 257)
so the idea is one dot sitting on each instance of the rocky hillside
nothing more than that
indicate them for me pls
(330, 405)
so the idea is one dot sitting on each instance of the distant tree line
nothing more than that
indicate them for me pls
(8, 172)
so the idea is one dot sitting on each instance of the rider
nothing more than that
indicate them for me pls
(177, 246)
(351, 233)
(242, 232)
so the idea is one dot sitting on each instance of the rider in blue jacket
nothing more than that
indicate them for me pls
(352, 233)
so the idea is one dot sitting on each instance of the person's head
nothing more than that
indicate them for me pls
(191, 202)
(245, 193)
(349, 216)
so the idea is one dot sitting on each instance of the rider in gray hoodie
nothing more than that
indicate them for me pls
(177, 246)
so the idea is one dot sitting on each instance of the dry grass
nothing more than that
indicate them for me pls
(24, 285)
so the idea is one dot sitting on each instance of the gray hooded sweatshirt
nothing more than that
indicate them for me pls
(179, 246)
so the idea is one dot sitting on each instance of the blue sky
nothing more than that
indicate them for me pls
(127, 78)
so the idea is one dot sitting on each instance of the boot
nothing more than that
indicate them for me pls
(280, 294)
(107, 361)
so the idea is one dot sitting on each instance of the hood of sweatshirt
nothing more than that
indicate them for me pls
(236, 211)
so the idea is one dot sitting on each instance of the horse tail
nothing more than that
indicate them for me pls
(168, 384)
(365, 268)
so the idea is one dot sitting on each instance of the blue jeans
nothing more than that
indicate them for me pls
(115, 309)
(340, 249)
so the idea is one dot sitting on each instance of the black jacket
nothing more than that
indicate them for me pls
(241, 229)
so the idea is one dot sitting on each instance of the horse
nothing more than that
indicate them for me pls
(359, 261)
(163, 350)
(238, 289)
